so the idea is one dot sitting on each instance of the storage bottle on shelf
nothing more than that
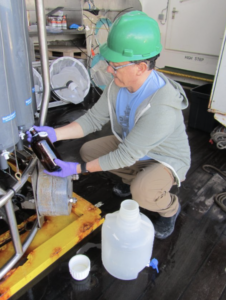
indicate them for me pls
(64, 23)
(44, 150)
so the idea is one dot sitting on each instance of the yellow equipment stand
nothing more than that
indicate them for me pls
(57, 236)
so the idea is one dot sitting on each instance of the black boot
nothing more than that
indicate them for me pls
(165, 226)
(122, 190)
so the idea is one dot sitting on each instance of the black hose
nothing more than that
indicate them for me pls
(221, 197)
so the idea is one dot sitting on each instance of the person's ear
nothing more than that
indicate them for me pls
(142, 67)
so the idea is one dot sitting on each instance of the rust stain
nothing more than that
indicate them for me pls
(215, 111)
(92, 208)
(74, 205)
(3, 248)
(56, 251)
(86, 226)
(5, 294)
(46, 222)
(184, 75)
(8, 274)
(31, 257)
(5, 236)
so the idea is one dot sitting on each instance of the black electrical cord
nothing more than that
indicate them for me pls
(206, 167)
(122, 12)
(218, 135)
(221, 197)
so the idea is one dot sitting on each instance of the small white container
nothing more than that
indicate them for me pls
(79, 266)
(127, 241)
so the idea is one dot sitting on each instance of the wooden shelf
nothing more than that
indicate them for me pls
(59, 51)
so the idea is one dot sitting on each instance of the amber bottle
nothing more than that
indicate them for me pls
(44, 150)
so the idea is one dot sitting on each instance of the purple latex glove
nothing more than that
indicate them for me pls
(67, 168)
(50, 130)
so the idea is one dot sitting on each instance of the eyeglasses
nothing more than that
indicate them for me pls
(119, 67)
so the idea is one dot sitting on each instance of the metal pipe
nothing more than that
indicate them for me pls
(27, 172)
(41, 20)
(6, 198)
(10, 264)
(13, 228)
(32, 234)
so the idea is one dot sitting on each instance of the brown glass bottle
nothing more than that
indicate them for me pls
(44, 150)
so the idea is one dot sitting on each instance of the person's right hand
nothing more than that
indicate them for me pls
(67, 168)
(50, 131)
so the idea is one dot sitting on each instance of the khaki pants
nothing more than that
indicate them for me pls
(149, 181)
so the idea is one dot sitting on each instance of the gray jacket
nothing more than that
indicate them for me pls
(159, 130)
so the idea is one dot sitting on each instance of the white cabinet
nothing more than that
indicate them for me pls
(191, 32)
(218, 97)
(196, 26)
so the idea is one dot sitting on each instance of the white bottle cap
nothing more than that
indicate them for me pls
(79, 266)
(42, 133)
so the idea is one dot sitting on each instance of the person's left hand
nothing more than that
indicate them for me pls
(67, 168)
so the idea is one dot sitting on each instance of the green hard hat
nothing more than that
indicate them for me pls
(133, 36)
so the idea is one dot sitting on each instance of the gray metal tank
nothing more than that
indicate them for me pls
(28, 43)
(8, 127)
(14, 32)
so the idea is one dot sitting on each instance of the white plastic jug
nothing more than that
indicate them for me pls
(127, 241)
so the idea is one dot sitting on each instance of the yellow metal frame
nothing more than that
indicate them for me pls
(57, 236)
(185, 75)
